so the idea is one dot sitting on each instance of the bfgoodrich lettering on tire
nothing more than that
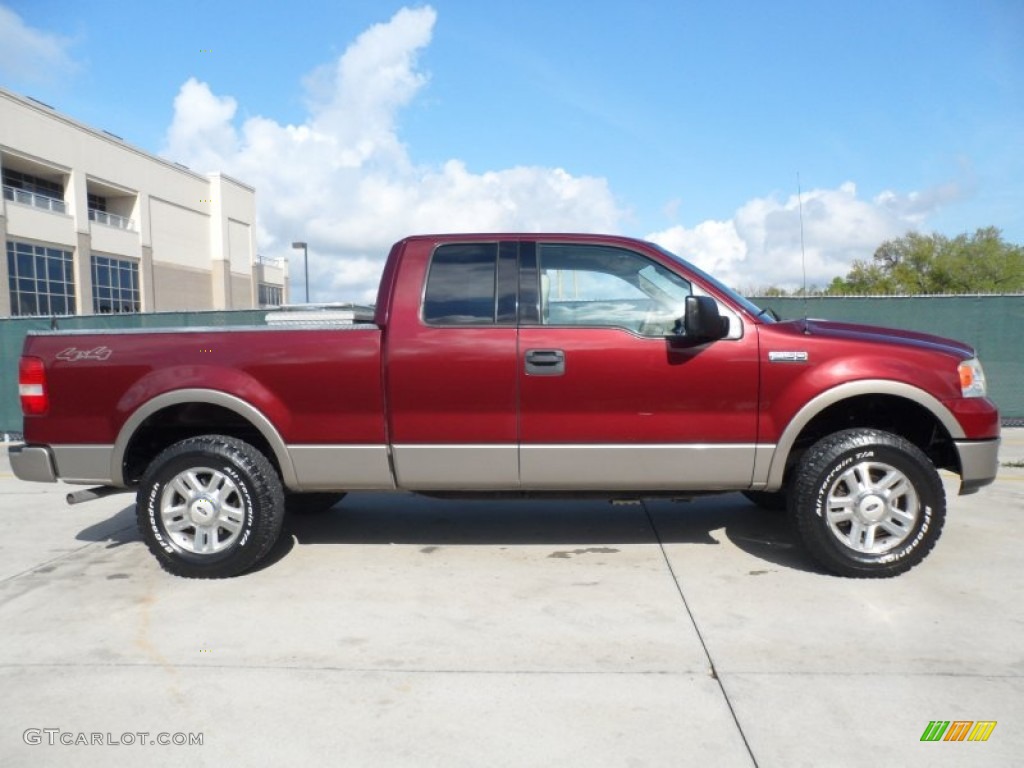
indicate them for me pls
(867, 503)
(210, 507)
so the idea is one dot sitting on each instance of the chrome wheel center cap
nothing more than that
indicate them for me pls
(871, 508)
(202, 511)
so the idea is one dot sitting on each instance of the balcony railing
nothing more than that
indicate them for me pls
(24, 197)
(270, 261)
(111, 220)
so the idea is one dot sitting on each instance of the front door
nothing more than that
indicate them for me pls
(608, 400)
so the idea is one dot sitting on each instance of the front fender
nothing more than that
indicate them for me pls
(773, 476)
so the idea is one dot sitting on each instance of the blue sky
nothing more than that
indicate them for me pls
(688, 123)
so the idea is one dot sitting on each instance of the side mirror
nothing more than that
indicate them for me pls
(702, 322)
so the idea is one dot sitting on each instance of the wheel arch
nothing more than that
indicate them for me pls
(890, 405)
(149, 429)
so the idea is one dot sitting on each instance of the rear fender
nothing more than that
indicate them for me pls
(244, 409)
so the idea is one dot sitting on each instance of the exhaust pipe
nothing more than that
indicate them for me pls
(91, 494)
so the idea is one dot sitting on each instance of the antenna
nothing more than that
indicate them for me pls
(803, 253)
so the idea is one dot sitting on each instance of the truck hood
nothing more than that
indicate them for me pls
(872, 333)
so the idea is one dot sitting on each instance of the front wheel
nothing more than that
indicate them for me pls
(210, 507)
(867, 503)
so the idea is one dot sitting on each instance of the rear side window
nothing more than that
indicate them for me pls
(461, 285)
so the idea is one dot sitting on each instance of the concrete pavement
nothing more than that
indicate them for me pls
(399, 631)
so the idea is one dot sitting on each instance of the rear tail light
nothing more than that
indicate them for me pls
(32, 387)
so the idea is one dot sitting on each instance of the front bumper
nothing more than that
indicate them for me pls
(979, 462)
(33, 463)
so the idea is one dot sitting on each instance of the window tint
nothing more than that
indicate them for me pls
(461, 285)
(602, 286)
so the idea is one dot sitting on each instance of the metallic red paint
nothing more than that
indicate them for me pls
(407, 383)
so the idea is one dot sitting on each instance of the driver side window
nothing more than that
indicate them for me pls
(592, 285)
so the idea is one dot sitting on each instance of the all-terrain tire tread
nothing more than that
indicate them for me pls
(806, 482)
(268, 506)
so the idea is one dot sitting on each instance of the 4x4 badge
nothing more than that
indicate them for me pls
(73, 355)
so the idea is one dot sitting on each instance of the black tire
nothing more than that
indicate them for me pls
(867, 503)
(772, 501)
(310, 503)
(218, 480)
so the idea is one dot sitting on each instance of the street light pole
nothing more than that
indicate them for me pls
(305, 264)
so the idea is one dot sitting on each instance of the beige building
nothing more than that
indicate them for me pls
(93, 225)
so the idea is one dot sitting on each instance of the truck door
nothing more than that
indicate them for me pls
(607, 400)
(451, 367)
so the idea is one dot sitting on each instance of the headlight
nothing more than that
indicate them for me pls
(972, 378)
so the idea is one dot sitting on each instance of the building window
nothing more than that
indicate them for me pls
(41, 280)
(115, 285)
(270, 295)
(33, 184)
(111, 212)
(31, 190)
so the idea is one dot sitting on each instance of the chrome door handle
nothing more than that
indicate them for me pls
(545, 362)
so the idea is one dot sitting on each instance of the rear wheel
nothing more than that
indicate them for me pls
(867, 503)
(210, 507)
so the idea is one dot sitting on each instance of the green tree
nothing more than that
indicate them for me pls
(916, 263)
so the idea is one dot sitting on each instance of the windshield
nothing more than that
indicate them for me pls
(741, 301)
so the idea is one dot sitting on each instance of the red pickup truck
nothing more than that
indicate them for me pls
(518, 364)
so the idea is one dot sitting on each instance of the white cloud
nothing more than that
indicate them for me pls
(30, 56)
(202, 129)
(760, 245)
(344, 182)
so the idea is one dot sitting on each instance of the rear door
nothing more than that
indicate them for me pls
(607, 400)
(451, 367)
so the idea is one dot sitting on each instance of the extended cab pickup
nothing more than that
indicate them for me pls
(516, 364)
